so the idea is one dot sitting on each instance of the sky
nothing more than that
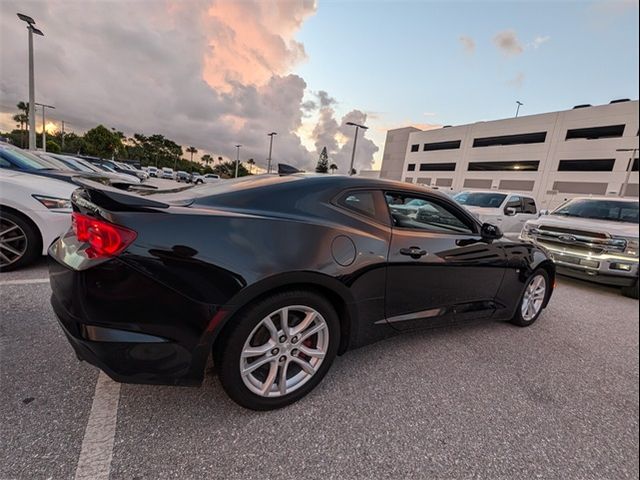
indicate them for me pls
(213, 73)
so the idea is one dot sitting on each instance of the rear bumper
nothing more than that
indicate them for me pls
(133, 328)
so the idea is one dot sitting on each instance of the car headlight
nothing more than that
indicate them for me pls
(529, 229)
(54, 202)
(632, 245)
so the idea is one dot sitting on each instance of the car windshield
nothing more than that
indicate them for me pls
(612, 210)
(77, 164)
(24, 160)
(480, 199)
(56, 162)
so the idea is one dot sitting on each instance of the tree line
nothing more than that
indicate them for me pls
(100, 141)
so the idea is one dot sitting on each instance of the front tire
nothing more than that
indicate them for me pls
(631, 291)
(20, 243)
(533, 298)
(278, 350)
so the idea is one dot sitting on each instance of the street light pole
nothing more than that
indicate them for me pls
(44, 130)
(32, 89)
(623, 189)
(237, 159)
(355, 142)
(270, 150)
(518, 107)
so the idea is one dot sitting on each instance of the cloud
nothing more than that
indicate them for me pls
(338, 137)
(604, 13)
(468, 44)
(539, 40)
(206, 73)
(517, 81)
(508, 43)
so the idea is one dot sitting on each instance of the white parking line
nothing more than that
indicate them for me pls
(24, 281)
(97, 445)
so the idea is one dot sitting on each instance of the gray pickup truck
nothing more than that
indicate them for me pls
(593, 238)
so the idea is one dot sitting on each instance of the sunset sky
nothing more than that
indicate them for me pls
(216, 73)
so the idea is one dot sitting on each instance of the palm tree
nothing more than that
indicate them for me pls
(251, 163)
(206, 158)
(192, 150)
(333, 167)
(22, 119)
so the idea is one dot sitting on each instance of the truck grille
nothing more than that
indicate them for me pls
(579, 240)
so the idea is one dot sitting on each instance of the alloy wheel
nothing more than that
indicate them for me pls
(533, 297)
(284, 351)
(13, 242)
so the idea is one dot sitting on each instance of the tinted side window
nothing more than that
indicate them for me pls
(514, 202)
(363, 203)
(421, 213)
(529, 205)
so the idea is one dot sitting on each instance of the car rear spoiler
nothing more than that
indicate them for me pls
(111, 198)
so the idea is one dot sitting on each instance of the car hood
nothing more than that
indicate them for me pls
(590, 225)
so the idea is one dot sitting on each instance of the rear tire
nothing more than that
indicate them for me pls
(533, 298)
(17, 235)
(295, 351)
(631, 292)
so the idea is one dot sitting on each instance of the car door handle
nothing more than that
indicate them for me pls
(413, 252)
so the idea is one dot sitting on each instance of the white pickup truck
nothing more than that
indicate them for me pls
(507, 210)
(593, 238)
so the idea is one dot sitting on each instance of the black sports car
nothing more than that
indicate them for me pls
(275, 276)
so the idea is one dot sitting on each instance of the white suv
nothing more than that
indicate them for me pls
(507, 210)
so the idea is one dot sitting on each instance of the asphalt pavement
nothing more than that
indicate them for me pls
(484, 400)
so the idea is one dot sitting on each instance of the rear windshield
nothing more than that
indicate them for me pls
(480, 199)
(596, 209)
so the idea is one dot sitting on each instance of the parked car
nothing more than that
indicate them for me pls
(70, 163)
(34, 211)
(14, 158)
(508, 210)
(152, 171)
(275, 275)
(593, 238)
(110, 165)
(182, 176)
(167, 173)
(142, 175)
(208, 178)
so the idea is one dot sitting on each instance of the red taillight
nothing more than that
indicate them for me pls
(105, 239)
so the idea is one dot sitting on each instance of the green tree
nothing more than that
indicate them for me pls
(102, 142)
(52, 146)
(333, 167)
(251, 163)
(206, 159)
(228, 170)
(191, 150)
(22, 119)
(323, 162)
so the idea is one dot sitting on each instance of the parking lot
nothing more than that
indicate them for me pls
(483, 400)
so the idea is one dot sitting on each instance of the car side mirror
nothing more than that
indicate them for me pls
(509, 211)
(544, 212)
(490, 232)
